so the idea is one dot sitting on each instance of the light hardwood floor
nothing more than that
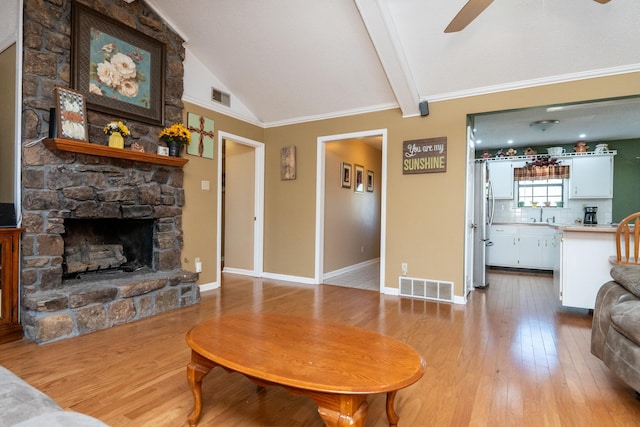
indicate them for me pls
(510, 357)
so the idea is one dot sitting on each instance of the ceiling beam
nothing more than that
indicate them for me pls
(382, 31)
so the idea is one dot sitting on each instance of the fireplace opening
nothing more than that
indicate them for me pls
(97, 245)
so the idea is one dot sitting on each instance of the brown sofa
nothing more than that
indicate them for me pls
(615, 334)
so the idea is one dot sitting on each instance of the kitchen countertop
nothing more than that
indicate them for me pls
(598, 228)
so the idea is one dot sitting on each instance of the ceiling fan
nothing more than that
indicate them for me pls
(471, 10)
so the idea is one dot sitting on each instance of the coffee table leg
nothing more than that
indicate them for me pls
(195, 373)
(349, 411)
(391, 412)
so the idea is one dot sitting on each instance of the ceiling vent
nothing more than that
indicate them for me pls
(220, 97)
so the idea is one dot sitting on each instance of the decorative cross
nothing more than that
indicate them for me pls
(202, 134)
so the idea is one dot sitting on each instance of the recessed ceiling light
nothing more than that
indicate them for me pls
(479, 141)
(583, 135)
(510, 141)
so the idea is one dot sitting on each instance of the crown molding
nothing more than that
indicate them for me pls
(525, 84)
(223, 110)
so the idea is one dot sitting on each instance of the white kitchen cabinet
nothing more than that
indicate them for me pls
(524, 246)
(591, 177)
(503, 250)
(584, 266)
(550, 251)
(501, 176)
(530, 251)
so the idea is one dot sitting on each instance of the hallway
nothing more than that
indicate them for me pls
(366, 277)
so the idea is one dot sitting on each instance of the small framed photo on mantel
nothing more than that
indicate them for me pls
(71, 115)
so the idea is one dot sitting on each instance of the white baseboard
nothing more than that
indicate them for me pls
(391, 291)
(209, 286)
(459, 299)
(239, 271)
(349, 268)
(287, 278)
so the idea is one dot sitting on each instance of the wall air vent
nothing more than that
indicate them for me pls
(426, 289)
(220, 97)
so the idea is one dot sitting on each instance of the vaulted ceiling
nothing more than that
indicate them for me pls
(294, 60)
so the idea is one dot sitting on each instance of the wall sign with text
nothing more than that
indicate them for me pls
(424, 155)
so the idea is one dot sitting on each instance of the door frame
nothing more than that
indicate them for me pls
(469, 231)
(258, 229)
(320, 200)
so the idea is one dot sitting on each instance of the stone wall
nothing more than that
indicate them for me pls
(47, 64)
(57, 185)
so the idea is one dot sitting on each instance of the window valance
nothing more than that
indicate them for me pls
(535, 173)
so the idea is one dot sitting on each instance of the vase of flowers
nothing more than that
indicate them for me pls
(175, 136)
(116, 131)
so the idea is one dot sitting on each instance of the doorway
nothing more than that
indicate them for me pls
(241, 207)
(329, 185)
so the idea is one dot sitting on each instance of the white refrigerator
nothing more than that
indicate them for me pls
(482, 217)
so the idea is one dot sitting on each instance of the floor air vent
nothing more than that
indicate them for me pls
(426, 289)
(221, 97)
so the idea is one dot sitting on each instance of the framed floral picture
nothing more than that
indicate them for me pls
(118, 69)
(345, 174)
(71, 116)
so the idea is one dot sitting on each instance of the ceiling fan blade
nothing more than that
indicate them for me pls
(468, 13)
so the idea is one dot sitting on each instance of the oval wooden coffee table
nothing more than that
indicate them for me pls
(336, 365)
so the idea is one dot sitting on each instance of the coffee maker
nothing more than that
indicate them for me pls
(590, 215)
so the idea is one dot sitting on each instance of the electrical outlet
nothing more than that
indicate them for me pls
(361, 249)
(204, 185)
(198, 265)
(404, 268)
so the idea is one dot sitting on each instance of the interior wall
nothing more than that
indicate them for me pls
(201, 206)
(239, 205)
(351, 220)
(626, 176)
(7, 123)
(425, 213)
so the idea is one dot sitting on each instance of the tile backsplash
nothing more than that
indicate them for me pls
(573, 211)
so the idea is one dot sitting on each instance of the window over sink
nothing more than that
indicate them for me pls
(546, 192)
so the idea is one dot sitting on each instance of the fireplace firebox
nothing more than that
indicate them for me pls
(95, 245)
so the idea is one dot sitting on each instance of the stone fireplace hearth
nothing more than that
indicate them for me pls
(86, 203)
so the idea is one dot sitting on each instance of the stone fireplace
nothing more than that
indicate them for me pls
(111, 253)
(83, 211)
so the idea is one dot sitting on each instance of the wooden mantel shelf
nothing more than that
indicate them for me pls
(118, 153)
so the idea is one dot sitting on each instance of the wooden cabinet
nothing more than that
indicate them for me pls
(10, 328)
(591, 177)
